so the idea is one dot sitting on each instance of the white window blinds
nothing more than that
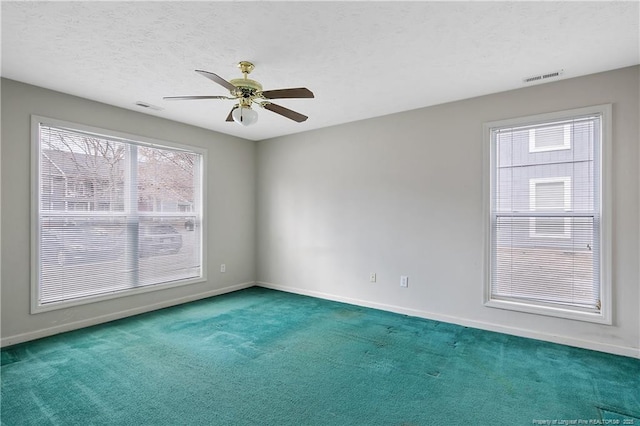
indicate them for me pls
(545, 213)
(113, 215)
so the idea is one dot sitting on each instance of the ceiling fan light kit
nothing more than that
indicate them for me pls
(244, 115)
(247, 92)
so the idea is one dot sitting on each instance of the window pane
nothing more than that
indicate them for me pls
(79, 172)
(554, 271)
(81, 256)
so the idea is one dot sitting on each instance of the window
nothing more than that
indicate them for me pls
(550, 138)
(549, 224)
(550, 195)
(114, 214)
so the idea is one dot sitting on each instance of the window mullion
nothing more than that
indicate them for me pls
(131, 210)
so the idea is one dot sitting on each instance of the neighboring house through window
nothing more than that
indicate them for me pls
(549, 221)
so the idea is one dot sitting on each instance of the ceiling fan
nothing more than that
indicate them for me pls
(246, 92)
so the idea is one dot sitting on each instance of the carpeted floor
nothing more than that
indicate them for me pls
(263, 357)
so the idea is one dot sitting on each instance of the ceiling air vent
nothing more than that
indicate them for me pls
(148, 106)
(542, 77)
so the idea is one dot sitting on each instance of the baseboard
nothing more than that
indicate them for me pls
(585, 344)
(25, 337)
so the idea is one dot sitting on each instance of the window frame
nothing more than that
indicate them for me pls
(36, 122)
(604, 211)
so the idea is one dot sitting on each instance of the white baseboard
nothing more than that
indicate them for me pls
(24, 337)
(569, 341)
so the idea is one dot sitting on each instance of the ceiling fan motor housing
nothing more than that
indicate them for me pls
(247, 88)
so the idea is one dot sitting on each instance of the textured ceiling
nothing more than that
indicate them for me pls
(361, 59)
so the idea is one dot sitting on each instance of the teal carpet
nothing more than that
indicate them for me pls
(263, 357)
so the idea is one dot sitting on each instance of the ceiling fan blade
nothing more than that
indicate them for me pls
(187, 98)
(285, 112)
(230, 117)
(298, 92)
(216, 78)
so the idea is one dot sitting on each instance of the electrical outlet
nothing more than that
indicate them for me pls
(223, 268)
(404, 281)
(372, 277)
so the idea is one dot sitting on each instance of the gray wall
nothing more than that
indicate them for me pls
(403, 195)
(230, 209)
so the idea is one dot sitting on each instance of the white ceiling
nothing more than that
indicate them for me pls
(361, 59)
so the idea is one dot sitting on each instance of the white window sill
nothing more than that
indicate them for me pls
(552, 311)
